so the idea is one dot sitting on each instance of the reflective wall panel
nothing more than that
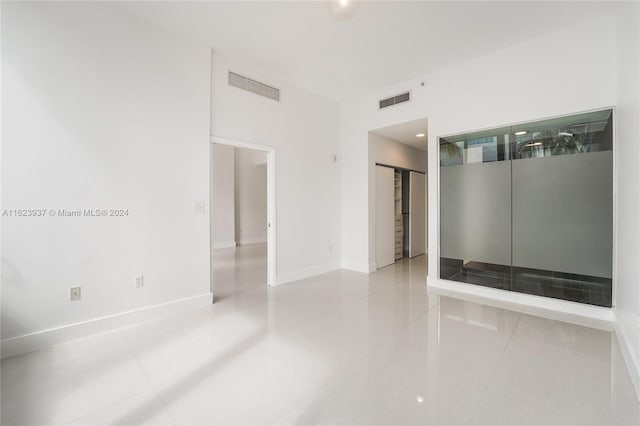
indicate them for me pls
(562, 213)
(529, 207)
(475, 206)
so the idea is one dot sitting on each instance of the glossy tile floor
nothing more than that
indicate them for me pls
(342, 348)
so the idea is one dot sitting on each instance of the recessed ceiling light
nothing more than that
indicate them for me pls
(420, 135)
(534, 144)
(520, 133)
(342, 10)
(566, 134)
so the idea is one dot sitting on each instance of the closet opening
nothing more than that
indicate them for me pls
(398, 193)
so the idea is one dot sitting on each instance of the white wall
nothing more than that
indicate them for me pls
(627, 278)
(535, 79)
(223, 220)
(304, 130)
(531, 80)
(100, 111)
(392, 153)
(250, 196)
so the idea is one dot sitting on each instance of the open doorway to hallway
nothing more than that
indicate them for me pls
(240, 223)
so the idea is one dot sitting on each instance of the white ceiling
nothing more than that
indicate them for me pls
(385, 43)
(406, 133)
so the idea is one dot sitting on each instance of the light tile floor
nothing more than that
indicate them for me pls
(342, 348)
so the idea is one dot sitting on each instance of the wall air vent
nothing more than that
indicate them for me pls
(254, 86)
(394, 100)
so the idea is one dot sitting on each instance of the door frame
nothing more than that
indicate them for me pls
(381, 248)
(411, 215)
(271, 199)
(373, 216)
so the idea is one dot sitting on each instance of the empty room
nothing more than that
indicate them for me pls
(320, 212)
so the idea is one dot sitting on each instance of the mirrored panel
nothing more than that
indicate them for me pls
(475, 206)
(477, 147)
(576, 134)
(529, 207)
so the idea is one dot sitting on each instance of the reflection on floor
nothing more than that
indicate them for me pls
(239, 269)
(339, 348)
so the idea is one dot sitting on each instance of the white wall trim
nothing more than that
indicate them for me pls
(229, 244)
(45, 338)
(359, 267)
(247, 241)
(241, 144)
(306, 273)
(526, 303)
(630, 361)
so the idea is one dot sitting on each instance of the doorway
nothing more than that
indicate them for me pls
(400, 214)
(242, 215)
(398, 193)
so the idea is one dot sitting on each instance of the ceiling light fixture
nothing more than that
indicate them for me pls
(342, 10)
(520, 133)
(534, 144)
(420, 135)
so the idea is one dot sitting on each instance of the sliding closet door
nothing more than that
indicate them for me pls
(385, 232)
(417, 220)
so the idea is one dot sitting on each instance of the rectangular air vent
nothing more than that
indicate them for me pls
(394, 100)
(254, 86)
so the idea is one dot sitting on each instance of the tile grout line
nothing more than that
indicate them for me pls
(512, 333)
(435, 305)
(114, 403)
(424, 314)
(291, 410)
(317, 391)
(484, 392)
(356, 299)
(153, 388)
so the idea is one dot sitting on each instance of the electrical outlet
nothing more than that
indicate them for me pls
(139, 281)
(74, 293)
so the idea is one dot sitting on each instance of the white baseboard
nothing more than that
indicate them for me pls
(359, 267)
(229, 244)
(630, 357)
(46, 338)
(247, 241)
(306, 273)
(563, 310)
